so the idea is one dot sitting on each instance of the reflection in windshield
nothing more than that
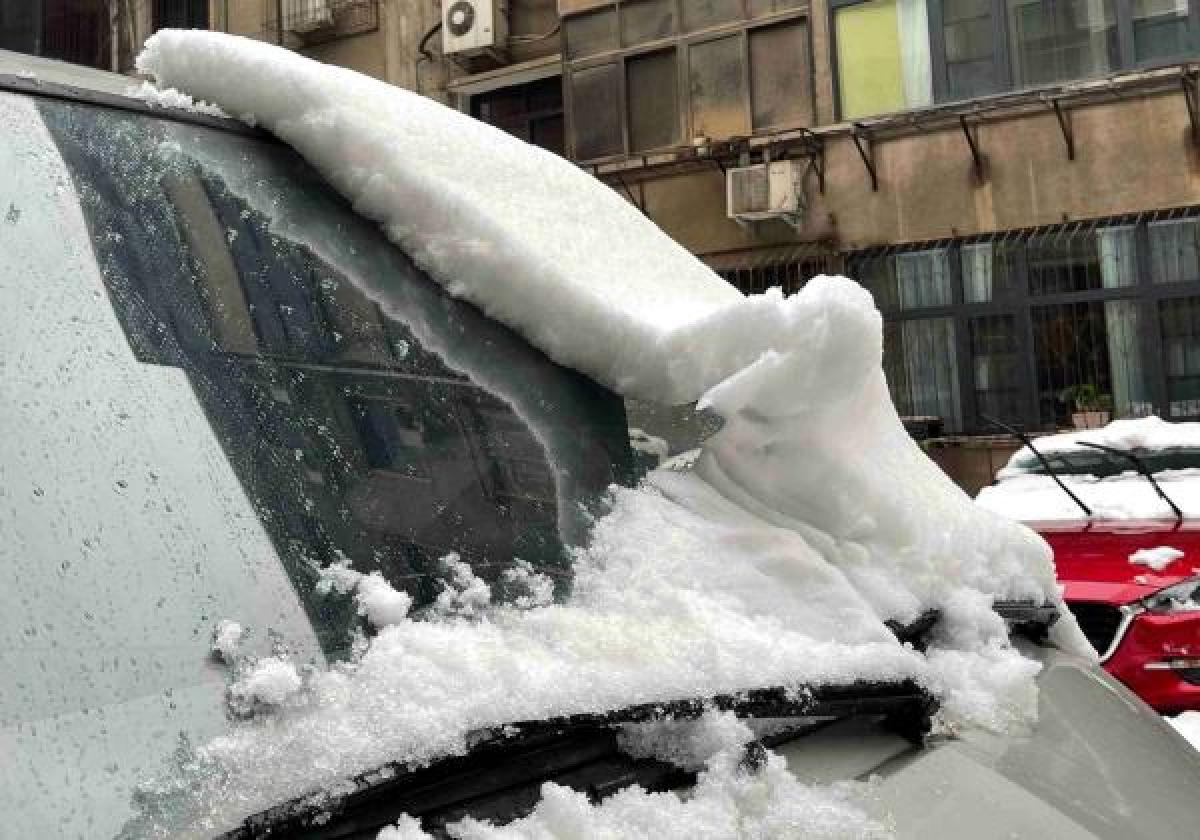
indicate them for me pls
(274, 387)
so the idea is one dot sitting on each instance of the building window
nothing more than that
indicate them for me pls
(653, 100)
(996, 364)
(1175, 251)
(989, 272)
(1180, 324)
(682, 70)
(883, 61)
(922, 370)
(184, 14)
(532, 111)
(1075, 262)
(1160, 29)
(717, 79)
(1059, 40)
(968, 33)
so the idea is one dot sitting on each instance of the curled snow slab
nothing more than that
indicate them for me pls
(1157, 558)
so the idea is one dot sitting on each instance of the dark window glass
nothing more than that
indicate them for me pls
(596, 111)
(698, 14)
(878, 275)
(1180, 320)
(717, 74)
(968, 30)
(1059, 40)
(921, 365)
(647, 20)
(76, 31)
(20, 26)
(923, 279)
(780, 87)
(1160, 29)
(989, 271)
(186, 14)
(591, 33)
(1071, 352)
(391, 435)
(653, 100)
(532, 112)
(1061, 262)
(996, 366)
(1175, 251)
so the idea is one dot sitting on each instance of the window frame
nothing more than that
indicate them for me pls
(682, 43)
(1003, 75)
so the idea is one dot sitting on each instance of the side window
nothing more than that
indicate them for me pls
(364, 411)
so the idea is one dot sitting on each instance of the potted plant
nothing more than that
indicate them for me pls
(1092, 408)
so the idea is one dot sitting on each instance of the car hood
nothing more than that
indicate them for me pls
(1092, 558)
(1097, 764)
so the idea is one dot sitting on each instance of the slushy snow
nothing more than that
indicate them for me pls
(1157, 558)
(1128, 496)
(1137, 434)
(775, 558)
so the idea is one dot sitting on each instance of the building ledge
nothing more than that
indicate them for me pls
(514, 74)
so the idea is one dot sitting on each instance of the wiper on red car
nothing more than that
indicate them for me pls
(1141, 467)
(1025, 441)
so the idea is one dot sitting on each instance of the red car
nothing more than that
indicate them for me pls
(1145, 624)
(1120, 506)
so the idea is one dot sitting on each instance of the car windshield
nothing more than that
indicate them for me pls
(203, 403)
(1103, 464)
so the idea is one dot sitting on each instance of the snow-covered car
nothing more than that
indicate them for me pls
(313, 527)
(1118, 505)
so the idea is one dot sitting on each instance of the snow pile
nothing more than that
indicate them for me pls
(1157, 558)
(1036, 498)
(1188, 725)
(226, 639)
(808, 521)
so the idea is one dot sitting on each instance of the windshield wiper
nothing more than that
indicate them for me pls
(1024, 439)
(501, 775)
(1140, 466)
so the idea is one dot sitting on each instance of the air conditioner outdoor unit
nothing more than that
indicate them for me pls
(766, 191)
(306, 16)
(473, 26)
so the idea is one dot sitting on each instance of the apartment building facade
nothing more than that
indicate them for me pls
(1016, 181)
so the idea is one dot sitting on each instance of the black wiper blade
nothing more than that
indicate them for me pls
(500, 776)
(1141, 467)
(1024, 439)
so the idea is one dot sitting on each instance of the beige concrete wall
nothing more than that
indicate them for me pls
(1131, 155)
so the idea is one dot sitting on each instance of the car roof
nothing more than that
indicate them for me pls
(38, 76)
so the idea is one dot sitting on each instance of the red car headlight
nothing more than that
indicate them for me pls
(1181, 597)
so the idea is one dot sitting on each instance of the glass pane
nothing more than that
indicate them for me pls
(647, 20)
(1175, 251)
(1118, 256)
(882, 57)
(18, 27)
(1180, 320)
(1130, 390)
(718, 87)
(1064, 262)
(968, 31)
(997, 366)
(596, 111)
(1059, 40)
(923, 279)
(653, 100)
(877, 274)
(697, 14)
(781, 91)
(989, 271)
(1160, 29)
(1070, 348)
(549, 133)
(198, 423)
(922, 369)
(591, 33)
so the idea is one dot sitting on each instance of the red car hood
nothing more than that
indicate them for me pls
(1093, 562)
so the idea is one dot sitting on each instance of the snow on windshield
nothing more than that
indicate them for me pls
(1138, 434)
(805, 523)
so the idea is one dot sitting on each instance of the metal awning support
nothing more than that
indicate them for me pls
(1064, 125)
(866, 151)
(1192, 96)
(977, 157)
